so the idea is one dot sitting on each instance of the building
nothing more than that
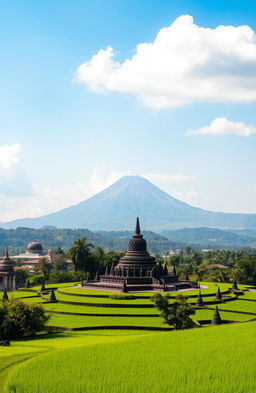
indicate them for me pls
(138, 271)
(7, 274)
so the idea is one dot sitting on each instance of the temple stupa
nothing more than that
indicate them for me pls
(138, 271)
(7, 274)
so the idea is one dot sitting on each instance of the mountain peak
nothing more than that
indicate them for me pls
(116, 208)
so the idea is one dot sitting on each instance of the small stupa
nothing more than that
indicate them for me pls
(199, 302)
(216, 319)
(7, 274)
(218, 297)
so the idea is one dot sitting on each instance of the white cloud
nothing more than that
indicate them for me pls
(222, 126)
(185, 63)
(169, 178)
(9, 155)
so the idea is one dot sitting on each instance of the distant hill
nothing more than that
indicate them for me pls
(211, 237)
(117, 206)
(17, 239)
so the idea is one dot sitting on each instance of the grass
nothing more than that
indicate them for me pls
(77, 321)
(98, 310)
(239, 305)
(206, 360)
(57, 285)
(249, 295)
(96, 300)
(229, 316)
(20, 294)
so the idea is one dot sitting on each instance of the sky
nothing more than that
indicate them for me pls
(94, 90)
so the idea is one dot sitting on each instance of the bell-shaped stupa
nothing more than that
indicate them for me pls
(138, 271)
(137, 258)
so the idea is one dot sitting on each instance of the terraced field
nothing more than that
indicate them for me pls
(78, 307)
(87, 310)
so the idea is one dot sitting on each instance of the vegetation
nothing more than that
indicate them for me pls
(80, 254)
(176, 314)
(17, 239)
(19, 319)
(44, 267)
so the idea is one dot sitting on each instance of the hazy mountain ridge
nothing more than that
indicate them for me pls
(116, 208)
(212, 237)
(17, 239)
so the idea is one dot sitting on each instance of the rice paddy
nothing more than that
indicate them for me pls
(173, 362)
(95, 361)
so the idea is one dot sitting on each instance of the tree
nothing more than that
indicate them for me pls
(19, 319)
(200, 271)
(197, 259)
(246, 269)
(44, 267)
(175, 314)
(80, 254)
(59, 263)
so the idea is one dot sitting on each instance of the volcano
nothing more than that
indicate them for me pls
(133, 196)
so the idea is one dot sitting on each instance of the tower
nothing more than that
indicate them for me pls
(7, 274)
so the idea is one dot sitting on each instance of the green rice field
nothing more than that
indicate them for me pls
(208, 360)
(159, 362)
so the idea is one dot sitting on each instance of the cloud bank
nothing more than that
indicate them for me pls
(9, 155)
(185, 64)
(222, 126)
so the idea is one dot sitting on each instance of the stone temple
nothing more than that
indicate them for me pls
(7, 274)
(138, 271)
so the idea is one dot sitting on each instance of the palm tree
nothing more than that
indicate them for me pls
(44, 267)
(80, 254)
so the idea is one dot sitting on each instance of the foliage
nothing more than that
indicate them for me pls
(44, 267)
(59, 263)
(19, 319)
(36, 279)
(80, 254)
(17, 239)
(246, 269)
(22, 274)
(72, 275)
(175, 314)
(121, 297)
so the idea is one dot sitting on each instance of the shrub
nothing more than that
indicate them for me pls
(37, 279)
(175, 314)
(121, 297)
(70, 276)
(19, 319)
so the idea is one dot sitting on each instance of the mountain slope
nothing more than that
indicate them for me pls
(210, 237)
(116, 207)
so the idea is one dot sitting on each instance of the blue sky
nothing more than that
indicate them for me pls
(66, 135)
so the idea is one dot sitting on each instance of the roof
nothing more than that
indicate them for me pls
(217, 266)
(32, 261)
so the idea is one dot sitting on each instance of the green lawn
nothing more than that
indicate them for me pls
(98, 300)
(229, 316)
(98, 310)
(239, 305)
(77, 321)
(249, 295)
(206, 360)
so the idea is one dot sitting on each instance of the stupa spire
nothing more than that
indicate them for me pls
(137, 228)
(216, 319)
(6, 253)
